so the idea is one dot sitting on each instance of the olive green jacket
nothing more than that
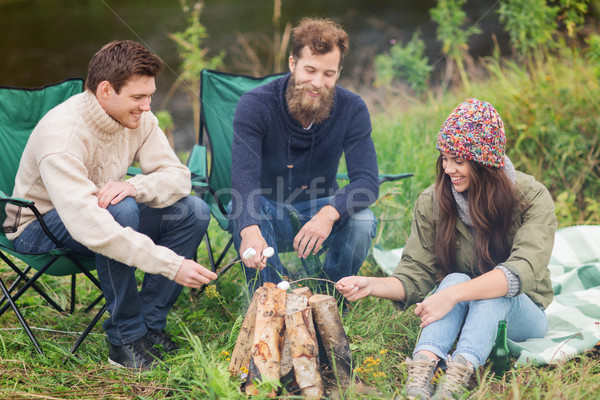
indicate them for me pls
(531, 234)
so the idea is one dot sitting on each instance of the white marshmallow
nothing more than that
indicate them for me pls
(268, 252)
(249, 253)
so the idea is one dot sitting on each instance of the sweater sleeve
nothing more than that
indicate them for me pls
(246, 156)
(164, 179)
(74, 197)
(361, 161)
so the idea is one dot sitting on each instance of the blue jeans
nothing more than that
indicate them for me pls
(475, 324)
(348, 243)
(179, 227)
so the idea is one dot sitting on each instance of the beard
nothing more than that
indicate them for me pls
(305, 109)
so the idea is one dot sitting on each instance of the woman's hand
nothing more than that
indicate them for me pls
(353, 287)
(435, 307)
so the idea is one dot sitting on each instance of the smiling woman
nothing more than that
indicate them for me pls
(458, 169)
(483, 233)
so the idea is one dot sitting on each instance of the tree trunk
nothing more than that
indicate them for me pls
(268, 334)
(335, 341)
(303, 345)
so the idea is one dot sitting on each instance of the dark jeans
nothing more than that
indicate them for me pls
(347, 245)
(179, 227)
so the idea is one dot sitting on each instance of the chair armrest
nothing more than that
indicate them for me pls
(15, 200)
(382, 177)
(393, 177)
(343, 176)
(31, 205)
(133, 171)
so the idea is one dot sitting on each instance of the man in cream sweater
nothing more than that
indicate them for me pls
(73, 168)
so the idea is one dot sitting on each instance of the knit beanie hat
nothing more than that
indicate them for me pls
(474, 131)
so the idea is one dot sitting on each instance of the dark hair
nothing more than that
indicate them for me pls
(492, 199)
(117, 61)
(320, 35)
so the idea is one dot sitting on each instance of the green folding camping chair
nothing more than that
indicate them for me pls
(20, 111)
(220, 93)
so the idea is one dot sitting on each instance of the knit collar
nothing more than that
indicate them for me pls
(101, 125)
(462, 199)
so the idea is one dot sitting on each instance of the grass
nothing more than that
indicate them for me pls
(551, 123)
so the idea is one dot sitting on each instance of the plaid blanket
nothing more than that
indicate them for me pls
(574, 315)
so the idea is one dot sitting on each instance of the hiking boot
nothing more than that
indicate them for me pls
(421, 372)
(163, 340)
(455, 382)
(138, 354)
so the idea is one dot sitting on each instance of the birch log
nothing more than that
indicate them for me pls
(287, 366)
(303, 346)
(268, 333)
(331, 331)
(304, 291)
(241, 352)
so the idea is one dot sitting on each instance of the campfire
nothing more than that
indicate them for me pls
(295, 337)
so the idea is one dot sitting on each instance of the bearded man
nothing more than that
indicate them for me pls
(289, 136)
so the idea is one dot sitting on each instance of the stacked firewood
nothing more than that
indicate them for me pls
(294, 337)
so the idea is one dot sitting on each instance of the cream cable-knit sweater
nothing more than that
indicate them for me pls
(76, 149)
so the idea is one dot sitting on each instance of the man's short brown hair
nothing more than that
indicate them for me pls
(320, 35)
(117, 61)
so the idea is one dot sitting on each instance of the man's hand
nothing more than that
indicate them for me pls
(252, 238)
(314, 232)
(114, 192)
(194, 275)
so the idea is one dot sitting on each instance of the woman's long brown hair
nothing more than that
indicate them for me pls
(492, 199)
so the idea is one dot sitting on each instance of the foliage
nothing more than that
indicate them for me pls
(450, 18)
(593, 51)
(530, 24)
(552, 125)
(404, 64)
(193, 55)
(572, 14)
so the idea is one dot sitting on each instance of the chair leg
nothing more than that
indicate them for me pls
(72, 309)
(20, 318)
(85, 333)
(224, 252)
(23, 277)
(93, 303)
(30, 282)
(211, 257)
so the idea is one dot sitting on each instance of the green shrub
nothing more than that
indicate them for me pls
(530, 24)
(406, 63)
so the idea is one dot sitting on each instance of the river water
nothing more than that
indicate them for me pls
(46, 41)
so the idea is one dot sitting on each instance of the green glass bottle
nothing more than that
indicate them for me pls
(312, 263)
(499, 356)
